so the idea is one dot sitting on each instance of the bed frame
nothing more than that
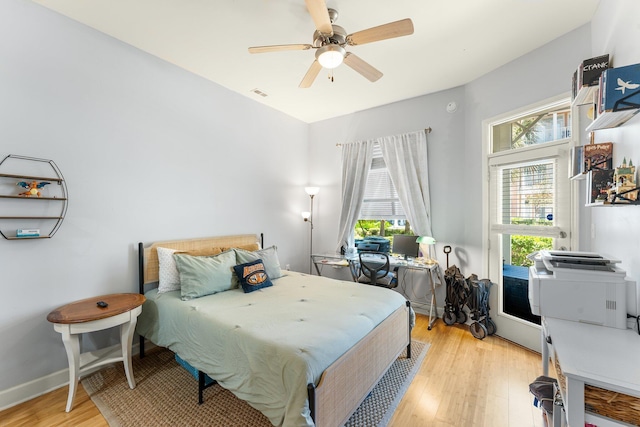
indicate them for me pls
(343, 385)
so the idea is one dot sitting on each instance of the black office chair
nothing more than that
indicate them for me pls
(375, 269)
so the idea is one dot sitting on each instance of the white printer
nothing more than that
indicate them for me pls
(580, 286)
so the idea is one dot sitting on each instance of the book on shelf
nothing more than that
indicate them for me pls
(30, 232)
(584, 81)
(599, 183)
(620, 89)
(598, 156)
(577, 161)
(618, 96)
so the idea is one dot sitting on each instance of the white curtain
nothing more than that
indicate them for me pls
(406, 159)
(405, 156)
(356, 162)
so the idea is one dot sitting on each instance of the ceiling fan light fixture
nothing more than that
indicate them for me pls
(331, 55)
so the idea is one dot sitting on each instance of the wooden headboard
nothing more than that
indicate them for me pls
(148, 256)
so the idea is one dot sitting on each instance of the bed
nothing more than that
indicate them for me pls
(304, 351)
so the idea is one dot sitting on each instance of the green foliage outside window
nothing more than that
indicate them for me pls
(521, 246)
(369, 227)
(366, 228)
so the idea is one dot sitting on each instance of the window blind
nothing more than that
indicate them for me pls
(526, 197)
(380, 197)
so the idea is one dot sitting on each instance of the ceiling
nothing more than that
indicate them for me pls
(454, 42)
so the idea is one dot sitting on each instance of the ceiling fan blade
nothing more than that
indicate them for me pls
(362, 67)
(320, 15)
(311, 75)
(391, 30)
(279, 47)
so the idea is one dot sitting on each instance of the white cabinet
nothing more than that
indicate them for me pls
(597, 371)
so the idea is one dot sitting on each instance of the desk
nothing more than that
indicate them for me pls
(434, 275)
(332, 260)
(591, 355)
(433, 272)
(78, 317)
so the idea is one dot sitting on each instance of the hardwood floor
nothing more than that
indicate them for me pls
(468, 382)
(463, 382)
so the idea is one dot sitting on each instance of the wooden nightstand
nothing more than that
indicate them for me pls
(85, 315)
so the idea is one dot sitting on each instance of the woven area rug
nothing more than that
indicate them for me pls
(167, 395)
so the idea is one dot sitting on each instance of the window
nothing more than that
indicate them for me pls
(528, 204)
(380, 198)
(381, 212)
(525, 208)
(544, 126)
(397, 160)
(527, 194)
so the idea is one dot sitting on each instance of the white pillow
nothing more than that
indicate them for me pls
(169, 277)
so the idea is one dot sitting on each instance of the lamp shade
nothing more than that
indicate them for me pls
(312, 191)
(331, 55)
(306, 215)
(427, 240)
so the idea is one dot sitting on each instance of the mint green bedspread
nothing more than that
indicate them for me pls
(266, 346)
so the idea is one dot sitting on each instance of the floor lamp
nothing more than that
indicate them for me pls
(308, 216)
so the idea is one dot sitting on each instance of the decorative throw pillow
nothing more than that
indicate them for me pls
(268, 255)
(252, 276)
(204, 275)
(168, 276)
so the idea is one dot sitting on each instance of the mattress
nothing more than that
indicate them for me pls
(267, 345)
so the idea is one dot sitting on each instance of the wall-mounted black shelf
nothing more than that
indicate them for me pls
(32, 178)
(31, 198)
(33, 167)
(26, 237)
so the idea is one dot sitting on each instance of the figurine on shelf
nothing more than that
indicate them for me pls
(33, 188)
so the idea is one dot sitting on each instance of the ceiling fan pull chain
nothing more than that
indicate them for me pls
(330, 76)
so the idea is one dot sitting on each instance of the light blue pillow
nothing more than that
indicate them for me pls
(269, 257)
(204, 275)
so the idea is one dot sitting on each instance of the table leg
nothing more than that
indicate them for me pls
(315, 264)
(126, 339)
(574, 402)
(434, 303)
(72, 346)
(431, 318)
(544, 347)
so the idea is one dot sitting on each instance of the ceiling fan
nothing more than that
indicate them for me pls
(329, 41)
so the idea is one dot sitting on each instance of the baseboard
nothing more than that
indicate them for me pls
(423, 308)
(32, 389)
(29, 390)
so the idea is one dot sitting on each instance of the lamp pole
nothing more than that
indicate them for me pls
(311, 234)
(311, 191)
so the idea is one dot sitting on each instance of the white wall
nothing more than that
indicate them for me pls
(539, 75)
(149, 152)
(142, 143)
(445, 146)
(455, 145)
(616, 31)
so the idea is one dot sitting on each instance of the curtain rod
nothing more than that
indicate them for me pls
(426, 130)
